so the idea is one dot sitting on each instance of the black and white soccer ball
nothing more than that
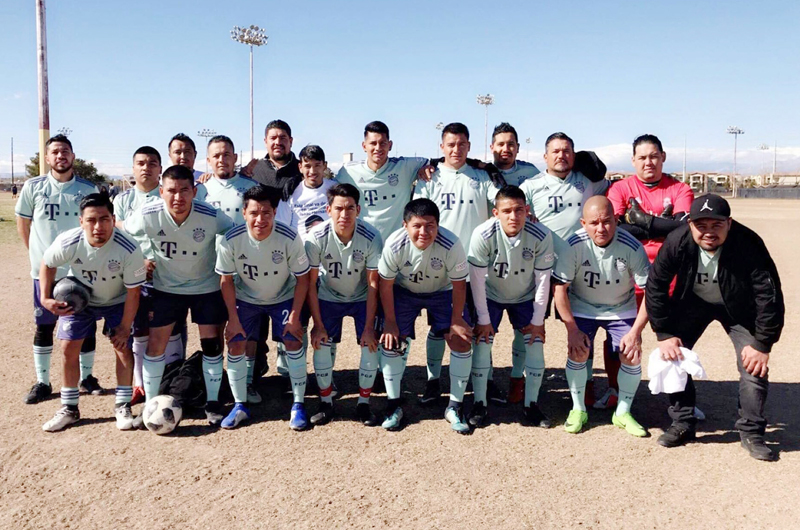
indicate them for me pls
(162, 414)
(73, 292)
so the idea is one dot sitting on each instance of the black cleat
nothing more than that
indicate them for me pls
(39, 392)
(677, 434)
(477, 416)
(366, 416)
(534, 416)
(90, 385)
(214, 413)
(495, 393)
(432, 393)
(754, 443)
(325, 414)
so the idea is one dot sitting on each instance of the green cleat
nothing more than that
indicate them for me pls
(627, 422)
(575, 421)
(394, 420)
(456, 419)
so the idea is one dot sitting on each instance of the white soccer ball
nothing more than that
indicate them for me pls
(162, 414)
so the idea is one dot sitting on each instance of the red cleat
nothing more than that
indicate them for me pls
(138, 395)
(588, 397)
(516, 389)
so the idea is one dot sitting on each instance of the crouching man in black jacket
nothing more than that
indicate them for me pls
(723, 272)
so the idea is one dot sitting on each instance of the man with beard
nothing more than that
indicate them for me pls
(281, 169)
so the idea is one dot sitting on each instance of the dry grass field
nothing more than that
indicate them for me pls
(344, 475)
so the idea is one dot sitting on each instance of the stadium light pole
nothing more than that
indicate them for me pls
(439, 127)
(252, 36)
(66, 131)
(735, 131)
(486, 100)
(528, 147)
(206, 133)
(44, 92)
(763, 147)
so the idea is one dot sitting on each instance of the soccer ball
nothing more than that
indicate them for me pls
(73, 292)
(162, 414)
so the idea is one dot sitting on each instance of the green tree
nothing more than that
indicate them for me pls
(81, 167)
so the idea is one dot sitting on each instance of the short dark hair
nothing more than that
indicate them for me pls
(510, 192)
(505, 127)
(178, 173)
(97, 200)
(180, 137)
(149, 151)
(222, 139)
(456, 128)
(648, 139)
(343, 190)
(377, 127)
(420, 208)
(558, 136)
(278, 124)
(59, 138)
(262, 193)
(312, 152)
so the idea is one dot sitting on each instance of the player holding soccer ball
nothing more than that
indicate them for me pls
(111, 265)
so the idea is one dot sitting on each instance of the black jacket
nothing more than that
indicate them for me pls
(285, 179)
(748, 282)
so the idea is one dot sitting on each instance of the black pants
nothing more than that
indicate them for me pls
(696, 316)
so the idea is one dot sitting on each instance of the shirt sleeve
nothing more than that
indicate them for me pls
(57, 254)
(456, 263)
(683, 199)
(617, 196)
(225, 265)
(202, 192)
(565, 269)
(224, 223)
(478, 249)
(313, 250)
(297, 258)
(387, 266)
(119, 211)
(527, 188)
(134, 272)
(545, 256)
(25, 204)
(640, 267)
(422, 190)
(134, 224)
(374, 255)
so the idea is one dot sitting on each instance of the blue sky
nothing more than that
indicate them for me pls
(128, 74)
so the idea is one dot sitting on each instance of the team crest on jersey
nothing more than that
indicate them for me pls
(199, 234)
(580, 187)
(78, 197)
(358, 256)
(620, 264)
(394, 178)
(436, 264)
(527, 254)
(277, 257)
(114, 265)
(474, 184)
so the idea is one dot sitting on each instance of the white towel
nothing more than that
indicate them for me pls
(671, 376)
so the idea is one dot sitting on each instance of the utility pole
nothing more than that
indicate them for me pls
(684, 158)
(735, 131)
(528, 148)
(439, 127)
(486, 100)
(12, 160)
(44, 93)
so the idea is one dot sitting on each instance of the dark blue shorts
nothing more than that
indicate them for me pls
(333, 314)
(254, 317)
(470, 313)
(408, 305)
(520, 314)
(170, 308)
(41, 316)
(83, 324)
(616, 329)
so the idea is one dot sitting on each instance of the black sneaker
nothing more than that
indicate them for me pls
(90, 385)
(432, 393)
(39, 392)
(754, 443)
(534, 416)
(325, 414)
(379, 386)
(365, 415)
(495, 393)
(477, 416)
(677, 435)
(214, 413)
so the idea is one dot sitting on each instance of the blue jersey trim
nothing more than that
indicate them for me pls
(443, 241)
(489, 232)
(397, 246)
(72, 241)
(235, 231)
(124, 243)
(285, 230)
(204, 209)
(534, 230)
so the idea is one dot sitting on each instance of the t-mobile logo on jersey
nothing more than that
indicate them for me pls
(556, 203)
(591, 278)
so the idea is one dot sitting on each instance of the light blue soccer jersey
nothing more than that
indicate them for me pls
(464, 197)
(601, 279)
(384, 193)
(108, 270)
(424, 271)
(264, 271)
(132, 199)
(184, 255)
(53, 208)
(519, 173)
(343, 268)
(227, 195)
(512, 262)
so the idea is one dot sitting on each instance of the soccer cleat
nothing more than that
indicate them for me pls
(575, 421)
(324, 415)
(699, 414)
(138, 422)
(252, 395)
(214, 413)
(90, 385)
(477, 416)
(394, 420)
(455, 417)
(432, 392)
(627, 422)
(138, 395)
(754, 443)
(534, 416)
(124, 416)
(63, 418)
(39, 392)
(495, 393)
(516, 389)
(588, 396)
(334, 390)
(608, 401)
(676, 435)
(298, 420)
(365, 415)
(237, 415)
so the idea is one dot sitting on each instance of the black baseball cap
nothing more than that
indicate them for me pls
(709, 206)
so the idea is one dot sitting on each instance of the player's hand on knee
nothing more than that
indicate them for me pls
(578, 345)
(483, 332)
(368, 340)
(293, 327)
(233, 329)
(671, 349)
(119, 337)
(631, 345)
(533, 332)
(755, 362)
(391, 335)
(318, 335)
(460, 329)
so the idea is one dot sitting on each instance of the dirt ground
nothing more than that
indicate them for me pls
(345, 475)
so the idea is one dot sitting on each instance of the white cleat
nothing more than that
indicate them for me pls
(138, 422)
(124, 417)
(252, 395)
(63, 418)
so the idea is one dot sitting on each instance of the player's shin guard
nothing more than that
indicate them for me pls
(323, 371)
(139, 349)
(534, 370)
(296, 361)
(42, 352)
(460, 368)
(280, 363)
(152, 372)
(175, 349)
(434, 351)
(518, 355)
(393, 364)
(366, 374)
(629, 378)
(212, 367)
(576, 379)
(481, 361)
(237, 377)
(86, 363)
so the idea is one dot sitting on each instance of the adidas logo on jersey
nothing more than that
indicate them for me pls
(328, 256)
(407, 264)
(586, 264)
(161, 233)
(242, 256)
(78, 262)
